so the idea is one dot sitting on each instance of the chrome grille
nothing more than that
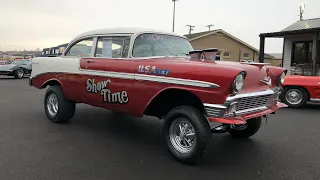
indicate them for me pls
(254, 102)
(214, 110)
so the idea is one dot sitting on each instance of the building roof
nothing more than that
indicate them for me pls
(199, 35)
(299, 27)
(304, 24)
(268, 56)
(63, 45)
(276, 55)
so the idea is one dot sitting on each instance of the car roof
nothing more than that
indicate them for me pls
(123, 30)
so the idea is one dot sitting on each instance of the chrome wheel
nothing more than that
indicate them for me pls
(52, 104)
(182, 135)
(20, 73)
(294, 96)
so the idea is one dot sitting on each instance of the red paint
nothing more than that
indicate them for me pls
(141, 93)
(310, 83)
(117, 84)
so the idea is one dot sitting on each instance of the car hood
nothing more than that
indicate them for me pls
(7, 66)
(255, 73)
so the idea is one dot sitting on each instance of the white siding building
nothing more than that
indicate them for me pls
(301, 47)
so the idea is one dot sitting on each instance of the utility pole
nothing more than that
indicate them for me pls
(174, 13)
(190, 28)
(209, 26)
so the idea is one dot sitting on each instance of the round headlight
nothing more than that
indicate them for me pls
(237, 83)
(282, 78)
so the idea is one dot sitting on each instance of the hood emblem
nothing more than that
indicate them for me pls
(267, 81)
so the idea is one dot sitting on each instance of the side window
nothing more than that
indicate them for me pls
(143, 50)
(112, 47)
(82, 48)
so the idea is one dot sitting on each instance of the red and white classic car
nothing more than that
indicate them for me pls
(298, 90)
(147, 72)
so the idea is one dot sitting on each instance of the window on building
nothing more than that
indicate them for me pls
(246, 55)
(226, 54)
(302, 52)
(82, 48)
(111, 47)
(62, 49)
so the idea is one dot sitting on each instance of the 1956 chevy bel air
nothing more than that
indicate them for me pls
(148, 72)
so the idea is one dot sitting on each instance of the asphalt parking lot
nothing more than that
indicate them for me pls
(99, 144)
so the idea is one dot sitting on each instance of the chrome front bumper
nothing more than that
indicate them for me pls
(246, 104)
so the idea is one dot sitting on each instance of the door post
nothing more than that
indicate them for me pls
(315, 45)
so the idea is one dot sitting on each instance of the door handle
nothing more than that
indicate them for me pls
(90, 61)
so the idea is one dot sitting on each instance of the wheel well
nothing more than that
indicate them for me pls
(50, 83)
(171, 98)
(293, 86)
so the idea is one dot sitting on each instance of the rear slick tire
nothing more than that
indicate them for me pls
(57, 107)
(187, 134)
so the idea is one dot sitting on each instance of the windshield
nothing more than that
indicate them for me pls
(22, 62)
(147, 45)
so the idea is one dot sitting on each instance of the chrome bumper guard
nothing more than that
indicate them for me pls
(243, 104)
(30, 81)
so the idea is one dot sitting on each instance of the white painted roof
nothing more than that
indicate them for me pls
(123, 30)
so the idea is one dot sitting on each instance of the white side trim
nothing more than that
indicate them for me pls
(152, 78)
(72, 66)
(143, 77)
(170, 80)
(317, 100)
(107, 74)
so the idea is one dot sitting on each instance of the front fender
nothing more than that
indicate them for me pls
(274, 73)
(217, 96)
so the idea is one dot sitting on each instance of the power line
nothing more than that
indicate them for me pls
(190, 28)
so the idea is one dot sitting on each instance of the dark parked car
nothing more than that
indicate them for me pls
(17, 68)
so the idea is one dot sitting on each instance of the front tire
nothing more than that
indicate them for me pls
(57, 107)
(187, 134)
(245, 130)
(294, 97)
(18, 73)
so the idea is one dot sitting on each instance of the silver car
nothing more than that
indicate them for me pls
(18, 68)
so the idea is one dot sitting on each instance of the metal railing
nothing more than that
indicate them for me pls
(304, 69)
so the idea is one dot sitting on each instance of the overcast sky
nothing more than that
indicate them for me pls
(32, 24)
